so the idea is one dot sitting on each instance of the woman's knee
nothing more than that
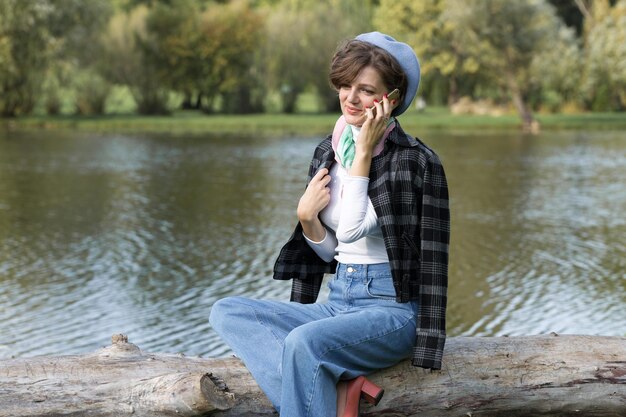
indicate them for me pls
(303, 340)
(223, 312)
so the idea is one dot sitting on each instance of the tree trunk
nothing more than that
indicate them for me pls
(289, 102)
(186, 103)
(453, 90)
(547, 375)
(529, 123)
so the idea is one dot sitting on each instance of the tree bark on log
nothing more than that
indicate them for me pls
(548, 375)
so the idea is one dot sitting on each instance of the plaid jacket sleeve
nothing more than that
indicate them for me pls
(435, 237)
(296, 260)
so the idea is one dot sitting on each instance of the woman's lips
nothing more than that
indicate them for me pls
(353, 111)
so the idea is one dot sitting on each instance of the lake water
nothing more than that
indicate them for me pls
(141, 234)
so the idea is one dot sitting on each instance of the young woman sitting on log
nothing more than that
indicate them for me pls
(375, 213)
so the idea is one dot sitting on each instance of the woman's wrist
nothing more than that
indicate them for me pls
(364, 155)
(315, 241)
(364, 150)
(361, 164)
(306, 216)
(313, 229)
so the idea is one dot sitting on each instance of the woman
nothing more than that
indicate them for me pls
(374, 213)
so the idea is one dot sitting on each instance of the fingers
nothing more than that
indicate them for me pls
(321, 177)
(320, 173)
(376, 121)
(321, 180)
(388, 107)
(315, 197)
(381, 110)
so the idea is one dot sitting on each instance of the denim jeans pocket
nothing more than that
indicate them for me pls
(381, 287)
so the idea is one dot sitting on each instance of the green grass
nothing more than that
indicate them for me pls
(306, 123)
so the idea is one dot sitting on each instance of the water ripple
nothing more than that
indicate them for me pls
(104, 234)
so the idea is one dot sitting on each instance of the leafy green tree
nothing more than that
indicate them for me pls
(78, 26)
(288, 68)
(81, 25)
(7, 64)
(25, 47)
(127, 63)
(606, 57)
(207, 52)
(175, 32)
(348, 19)
(300, 44)
(592, 10)
(570, 13)
(91, 91)
(229, 58)
(557, 71)
(423, 25)
(504, 37)
(37, 39)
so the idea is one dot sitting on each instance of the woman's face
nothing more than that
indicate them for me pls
(355, 98)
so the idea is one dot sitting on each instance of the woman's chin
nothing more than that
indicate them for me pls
(354, 119)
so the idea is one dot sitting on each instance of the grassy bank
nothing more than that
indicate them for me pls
(306, 124)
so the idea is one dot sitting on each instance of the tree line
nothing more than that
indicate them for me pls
(230, 56)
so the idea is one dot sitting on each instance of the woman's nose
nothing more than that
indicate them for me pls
(352, 95)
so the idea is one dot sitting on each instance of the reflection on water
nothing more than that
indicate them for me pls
(539, 239)
(102, 234)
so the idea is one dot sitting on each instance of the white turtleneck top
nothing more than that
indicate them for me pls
(355, 237)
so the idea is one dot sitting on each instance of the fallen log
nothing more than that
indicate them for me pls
(548, 375)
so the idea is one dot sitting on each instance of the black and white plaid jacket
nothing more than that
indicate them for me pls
(409, 193)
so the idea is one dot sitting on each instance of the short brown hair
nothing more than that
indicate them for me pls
(354, 55)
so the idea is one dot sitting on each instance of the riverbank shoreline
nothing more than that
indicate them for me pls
(305, 124)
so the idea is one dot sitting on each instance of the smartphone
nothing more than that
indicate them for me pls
(391, 96)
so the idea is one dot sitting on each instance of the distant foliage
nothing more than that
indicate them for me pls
(230, 66)
(489, 47)
(556, 73)
(444, 61)
(25, 46)
(245, 56)
(206, 53)
(606, 58)
(126, 41)
(301, 38)
(40, 39)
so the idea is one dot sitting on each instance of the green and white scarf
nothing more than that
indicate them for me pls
(344, 142)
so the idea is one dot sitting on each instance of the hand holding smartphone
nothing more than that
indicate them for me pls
(391, 96)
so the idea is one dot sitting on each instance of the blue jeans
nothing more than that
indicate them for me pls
(361, 328)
